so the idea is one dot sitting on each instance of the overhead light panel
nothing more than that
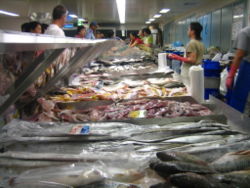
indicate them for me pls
(121, 7)
(73, 16)
(8, 13)
(239, 16)
(157, 16)
(152, 19)
(148, 22)
(164, 11)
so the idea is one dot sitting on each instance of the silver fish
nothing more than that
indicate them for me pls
(195, 139)
(165, 169)
(192, 180)
(237, 179)
(166, 134)
(180, 156)
(234, 161)
(200, 124)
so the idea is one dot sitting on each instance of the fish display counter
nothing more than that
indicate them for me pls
(92, 129)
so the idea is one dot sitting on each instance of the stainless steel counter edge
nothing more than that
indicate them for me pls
(11, 41)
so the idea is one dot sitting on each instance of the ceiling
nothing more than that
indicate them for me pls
(105, 11)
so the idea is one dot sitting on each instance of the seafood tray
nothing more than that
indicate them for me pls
(129, 110)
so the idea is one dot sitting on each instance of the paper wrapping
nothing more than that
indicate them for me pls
(162, 61)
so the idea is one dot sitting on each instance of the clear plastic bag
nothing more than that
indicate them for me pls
(42, 184)
(71, 175)
(124, 170)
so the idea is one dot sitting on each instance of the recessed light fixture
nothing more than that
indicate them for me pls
(73, 16)
(157, 16)
(148, 22)
(121, 7)
(8, 13)
(164, 11)
(152, 19)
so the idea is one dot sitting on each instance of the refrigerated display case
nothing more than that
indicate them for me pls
(112, 153)
(75, 51)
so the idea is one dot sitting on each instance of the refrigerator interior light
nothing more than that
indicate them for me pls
(8, 13)
(121, 7)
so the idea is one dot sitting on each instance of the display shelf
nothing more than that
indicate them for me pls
(53, 47)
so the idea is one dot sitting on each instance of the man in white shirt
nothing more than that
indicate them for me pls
(59, 19)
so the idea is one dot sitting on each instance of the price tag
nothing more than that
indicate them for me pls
(80, 129)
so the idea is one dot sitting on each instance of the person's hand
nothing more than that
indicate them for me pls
(229, 82)
(176, 57)
(172, 56)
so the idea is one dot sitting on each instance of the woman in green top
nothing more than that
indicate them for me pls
(148, 38)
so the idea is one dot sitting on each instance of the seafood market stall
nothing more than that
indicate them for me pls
(92, 129)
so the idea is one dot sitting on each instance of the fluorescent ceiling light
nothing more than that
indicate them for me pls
(164, 11)
(121, 7)
(152, 19)
(148, 22)
(157, 16)
(8, 13)
(73, 16)
(239, 16)
(181, 22)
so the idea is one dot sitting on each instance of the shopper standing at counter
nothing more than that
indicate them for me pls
(242, 62)
(140, 34)
(194, 51)
(35, 27)
(81, 32)
(59, 18)
(134, 40)
(148, 38)
(92, 30)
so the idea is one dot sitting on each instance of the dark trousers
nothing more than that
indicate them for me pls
(242, 88)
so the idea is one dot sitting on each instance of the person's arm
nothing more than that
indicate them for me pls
(191, 59)
(134, 44)
(191, 55)
(234, 67)
(148, 45)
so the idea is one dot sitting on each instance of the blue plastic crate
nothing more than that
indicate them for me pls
(179, 53)
(211, 68)
(209, 91)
